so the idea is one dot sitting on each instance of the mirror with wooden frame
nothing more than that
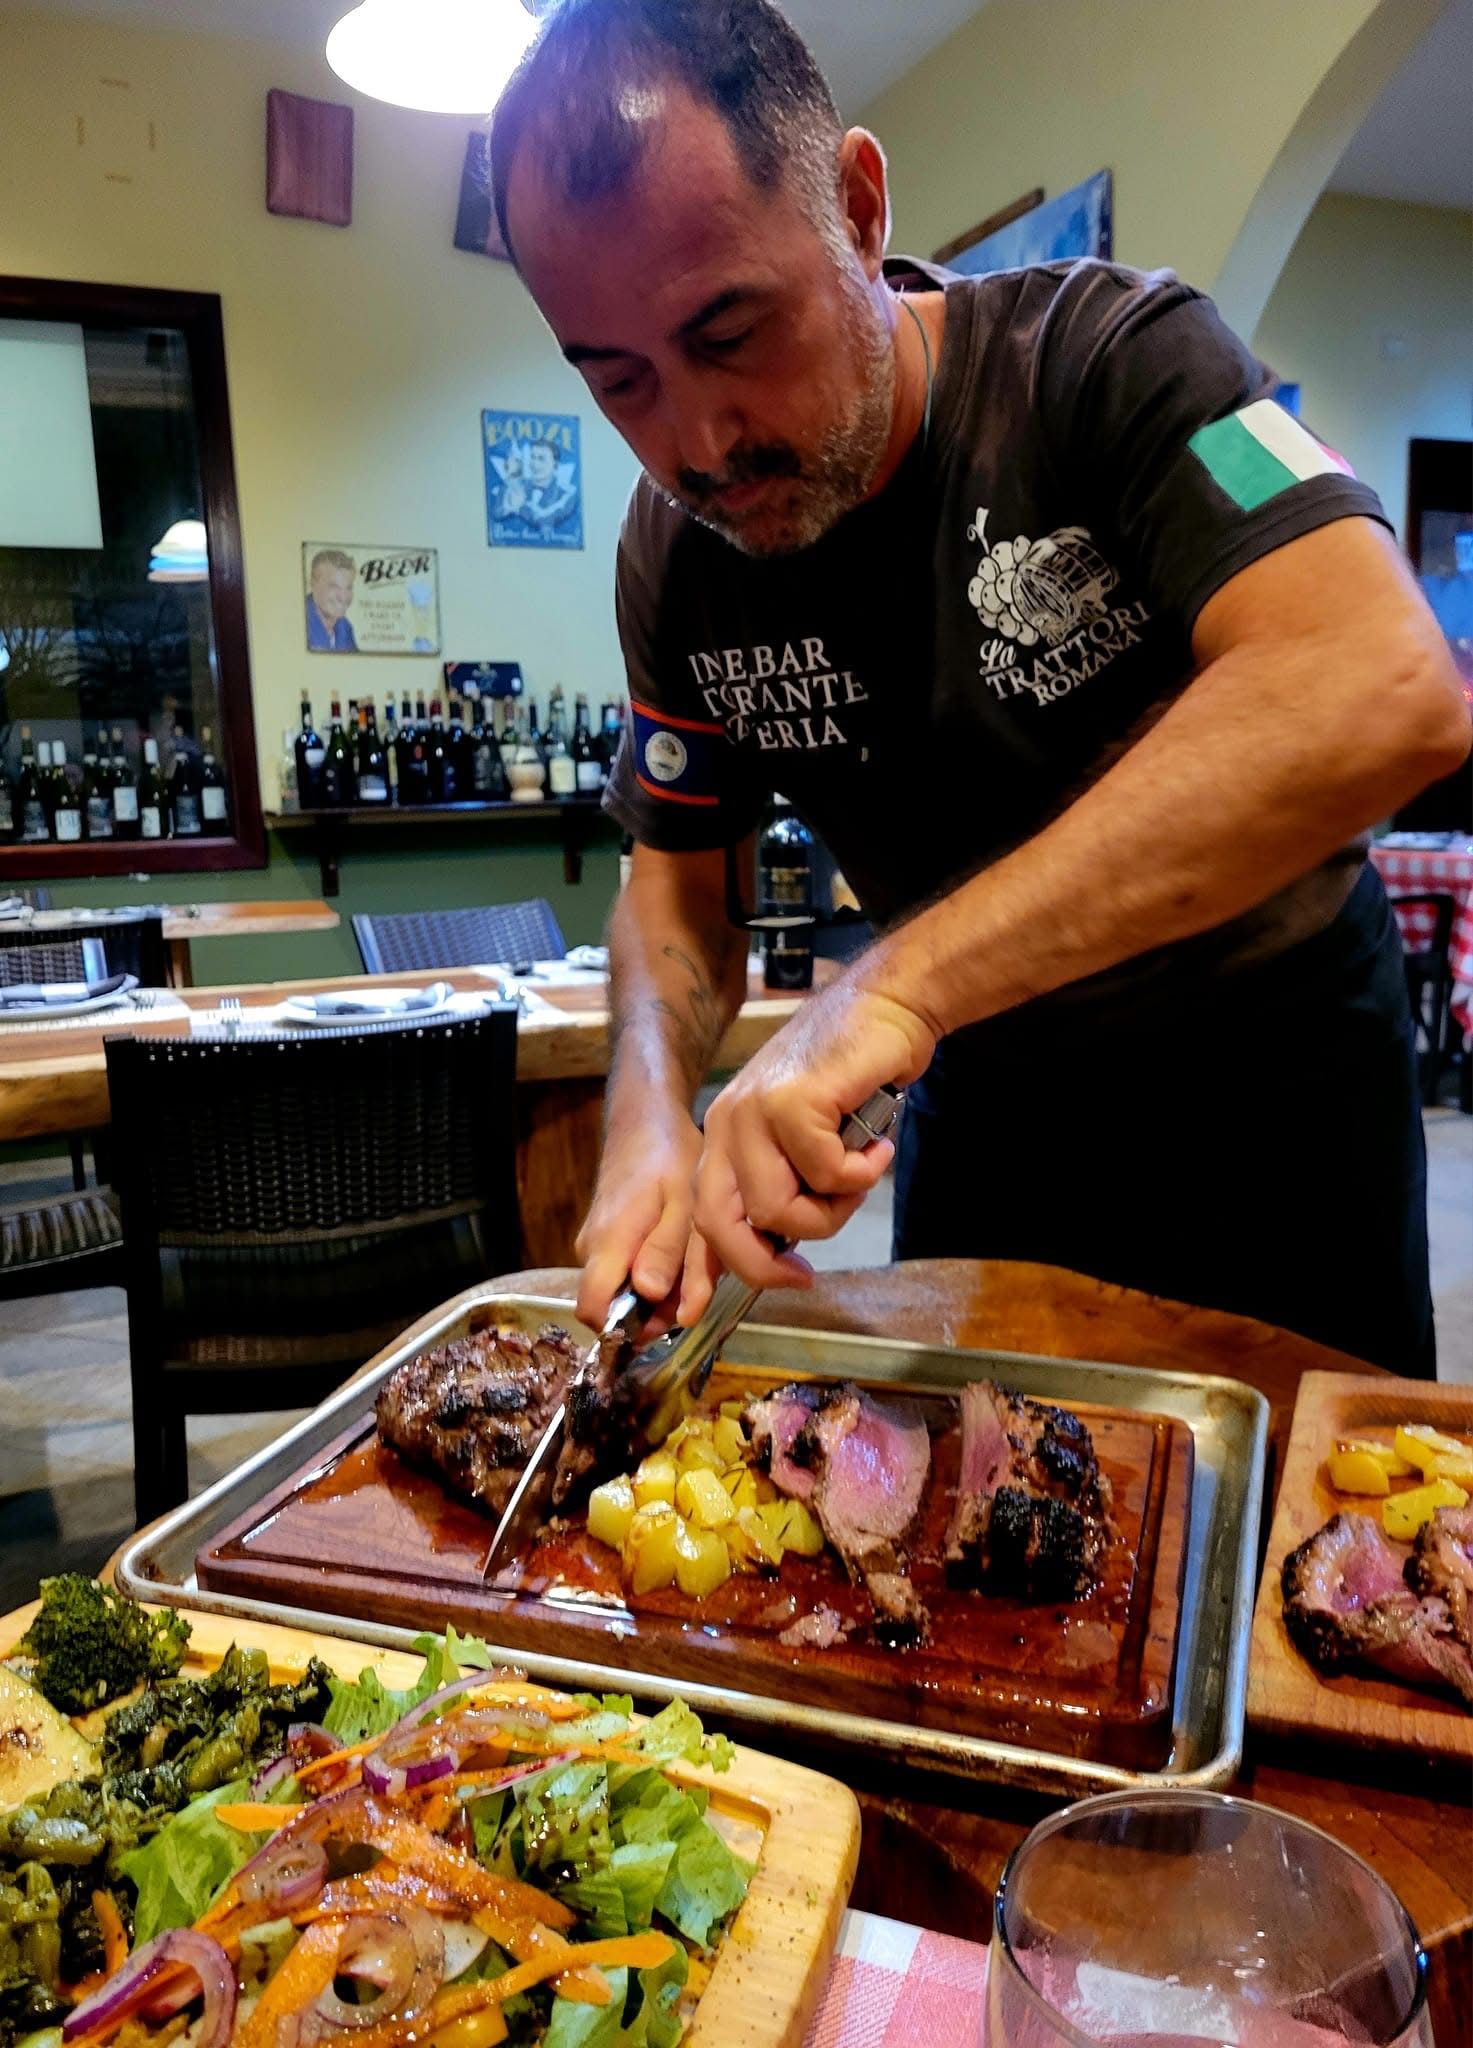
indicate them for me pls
(127, 741)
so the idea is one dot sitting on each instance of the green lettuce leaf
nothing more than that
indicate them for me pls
(565, 1818)
(675, 1735)
(657, 2024)
(646, 1807)
(179, 1872)
(705, 1882)
(573, 2025)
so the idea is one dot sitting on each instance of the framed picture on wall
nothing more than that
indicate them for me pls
(534, 480)
(1077, 223)
(370, 599)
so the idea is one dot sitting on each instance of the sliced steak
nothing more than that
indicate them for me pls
(861, 1465)
(598, 1437)
(819, 1630)
(1032, 1507)
(472, 1412)
(1441, 1565)
(1347, 1604)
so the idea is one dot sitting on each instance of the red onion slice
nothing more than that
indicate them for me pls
(272, 1774)
(403, 1952)
(128, 1989)
(287, 1878)
(383, 1777)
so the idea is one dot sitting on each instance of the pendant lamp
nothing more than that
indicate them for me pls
(441, 56)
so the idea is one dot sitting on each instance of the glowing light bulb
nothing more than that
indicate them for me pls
(441, 56)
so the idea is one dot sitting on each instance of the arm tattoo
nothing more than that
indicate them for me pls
(693, 1027)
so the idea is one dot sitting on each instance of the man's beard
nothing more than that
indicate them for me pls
(806, 495)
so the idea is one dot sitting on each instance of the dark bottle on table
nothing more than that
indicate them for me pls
(373, 762)
(785, 894)
(28, 800)
(214, 803)
(124, 791)
(97, 795)
(338, 780)
(153, 798)
(443, 766)
(184, 796)
(588, 769)
(311, 753)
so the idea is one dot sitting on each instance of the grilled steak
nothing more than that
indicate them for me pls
(1347, 1602)
(1441, 1564)
(1031, 1513)
(861, 1466)
(597, 1439)
(472, 1411)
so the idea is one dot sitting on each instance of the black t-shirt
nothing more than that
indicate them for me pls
(949, 667)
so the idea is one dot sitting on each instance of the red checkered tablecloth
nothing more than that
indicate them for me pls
(894, 1986)
(1442, 871)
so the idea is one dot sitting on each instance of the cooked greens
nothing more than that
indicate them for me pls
(91, 1645)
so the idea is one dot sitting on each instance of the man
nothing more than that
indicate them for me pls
(1087, 661)
(329, 594)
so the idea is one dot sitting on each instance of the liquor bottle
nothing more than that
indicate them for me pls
(153, 799)
(311, 753)
(414, 755)
(610, 733)
(29, 801)
(588, 769)
(66, 802)
(373, 765)
(488, 776)
(562, 776)
(443, 766)
(97, 796)
(337, 783)
(391, 747)
(184, 795)
(124, 791)
(785, 894)
(214, 801)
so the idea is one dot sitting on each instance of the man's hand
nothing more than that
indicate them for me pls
(774, 1163)
(638, 1224)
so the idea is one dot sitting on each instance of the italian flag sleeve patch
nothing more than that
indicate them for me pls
(1255, 454)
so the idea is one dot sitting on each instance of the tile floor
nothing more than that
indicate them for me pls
(66, 1493)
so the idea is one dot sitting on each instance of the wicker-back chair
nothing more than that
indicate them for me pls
(409, 941)
(1429, 970)
(290, 1204)
(114, 945)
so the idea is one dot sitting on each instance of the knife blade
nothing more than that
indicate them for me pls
(661, 1382)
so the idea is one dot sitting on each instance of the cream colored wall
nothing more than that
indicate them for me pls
(1373, 316)
(359, 359)
(1191, 104)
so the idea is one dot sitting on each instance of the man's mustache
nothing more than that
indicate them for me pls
(743, 466)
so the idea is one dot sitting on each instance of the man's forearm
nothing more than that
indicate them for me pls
(1244, 785)
(677, 981)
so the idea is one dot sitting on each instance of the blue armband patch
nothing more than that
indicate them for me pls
(675, 758)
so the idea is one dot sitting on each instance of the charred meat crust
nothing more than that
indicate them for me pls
(1355, 1599)
(1031, 1516)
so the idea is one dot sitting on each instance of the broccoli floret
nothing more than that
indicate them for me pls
(91, 1645)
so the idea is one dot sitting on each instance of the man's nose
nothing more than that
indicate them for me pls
(704, 427)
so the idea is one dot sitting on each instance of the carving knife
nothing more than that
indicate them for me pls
(660, 1384)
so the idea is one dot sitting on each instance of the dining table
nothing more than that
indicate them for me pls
(1411, 865)
(934, 1846)
(53, 1073)
(183, 923)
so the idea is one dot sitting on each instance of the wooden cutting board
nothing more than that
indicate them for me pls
(358, 1532)
(802, 1828)
(1286, 1695)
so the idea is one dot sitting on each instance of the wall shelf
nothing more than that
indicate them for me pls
(579, 822)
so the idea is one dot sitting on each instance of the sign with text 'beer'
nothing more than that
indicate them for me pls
(370, 600)
(534, 480)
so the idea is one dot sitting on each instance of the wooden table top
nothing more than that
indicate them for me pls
(248, 920)
(932, 1853)
(55, 1080)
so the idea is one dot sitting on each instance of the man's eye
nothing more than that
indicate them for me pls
(723, 344)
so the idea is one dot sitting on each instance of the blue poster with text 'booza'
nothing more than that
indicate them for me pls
(534, 480)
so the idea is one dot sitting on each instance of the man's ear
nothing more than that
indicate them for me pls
(864, 197)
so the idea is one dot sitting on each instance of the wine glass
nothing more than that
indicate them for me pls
(1194, 1920)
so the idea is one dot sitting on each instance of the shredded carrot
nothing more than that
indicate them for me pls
(251, 1819)
(110, 1927)
(307, 1969)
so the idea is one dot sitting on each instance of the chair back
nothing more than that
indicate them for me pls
(1425, 921)
(410, 941)
(82, 952)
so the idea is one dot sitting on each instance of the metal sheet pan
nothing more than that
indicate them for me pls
(1229, 1425)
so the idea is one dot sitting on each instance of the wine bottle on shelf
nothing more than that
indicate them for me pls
(457, 741)
(184, 795)
(488, 776)
(337, 784)
(153, 798)
(66, 801)
(311, 753)
(414, 787)
(562, 776)
(588, 770)
(288, 797)
(785, 894)
(97, 796)
(528, 771)
(440, 762)
(7, 805)
(391, 747)
(373, 766)
(533, 733)
(609, 735)
(506, 710)
(214, 801)
(124, 791)
(29, 801)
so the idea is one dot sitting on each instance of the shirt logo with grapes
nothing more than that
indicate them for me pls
(1031, 590)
